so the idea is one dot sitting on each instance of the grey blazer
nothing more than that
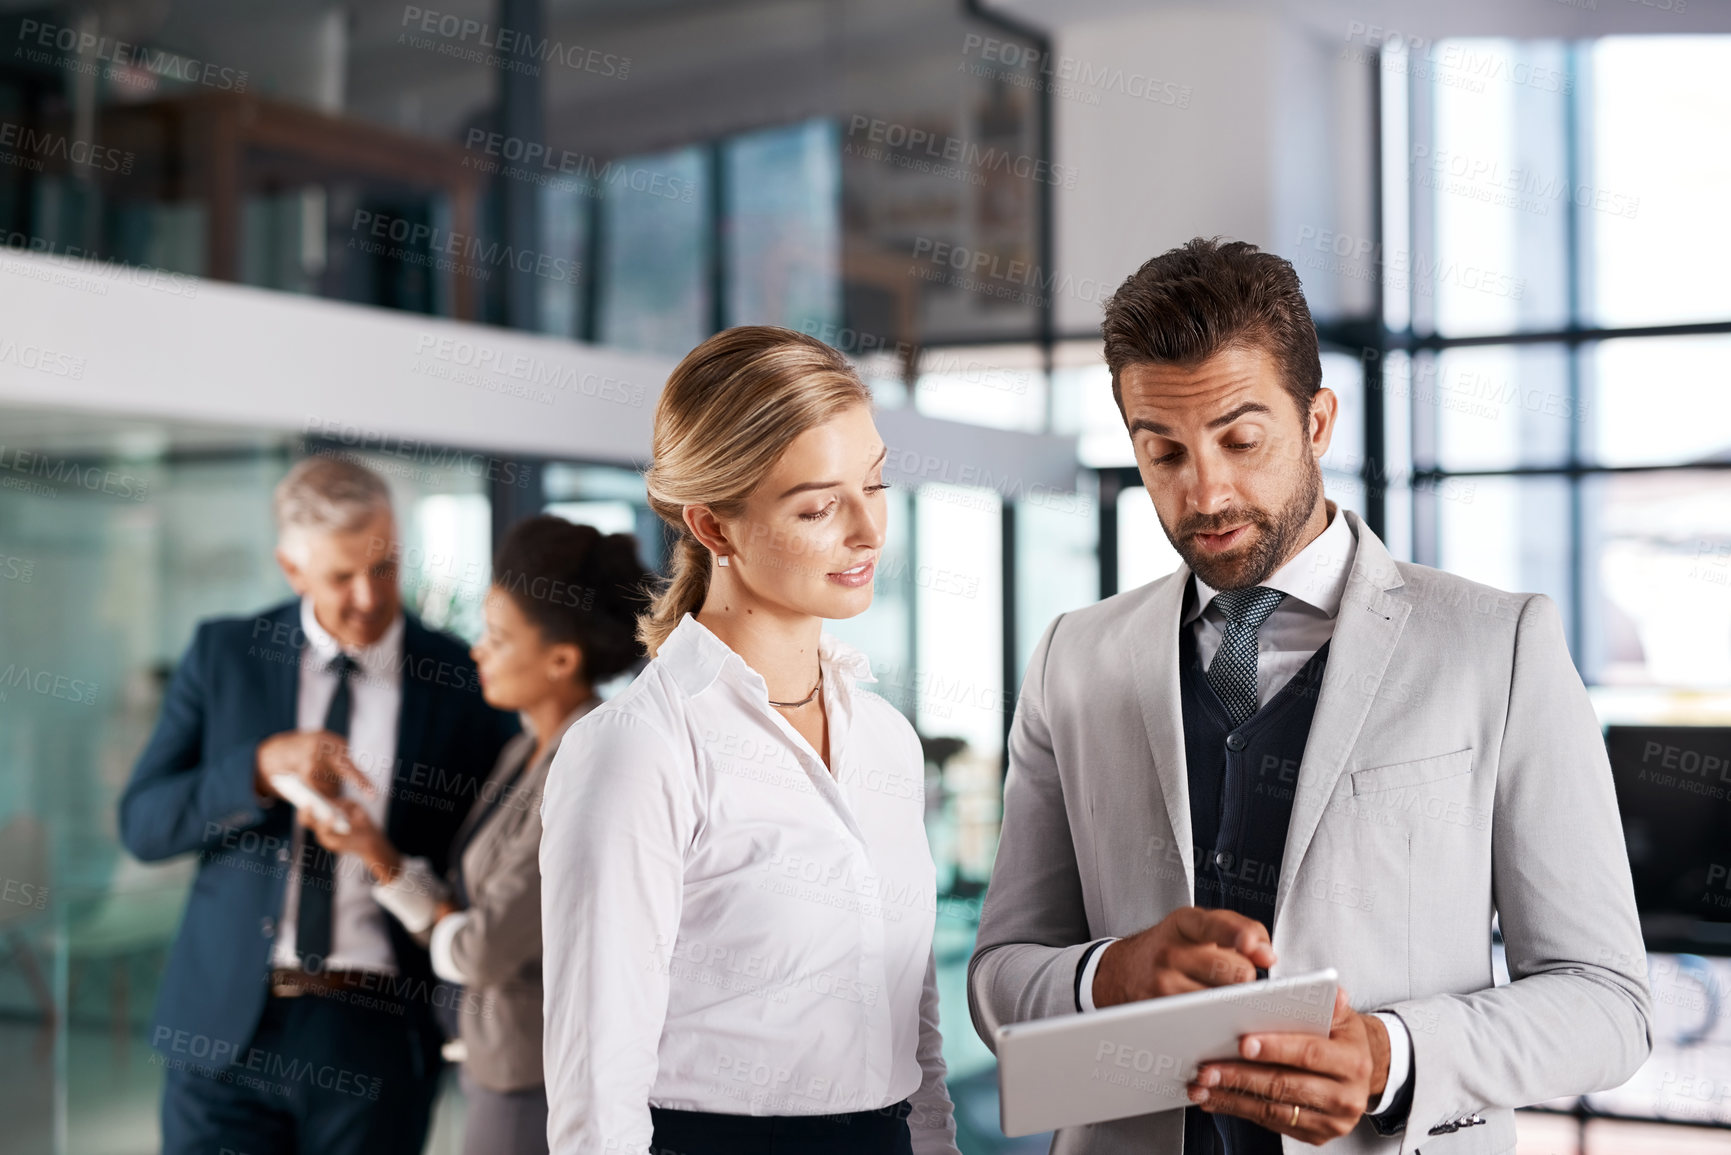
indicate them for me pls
(1454, 773)
(499, 947)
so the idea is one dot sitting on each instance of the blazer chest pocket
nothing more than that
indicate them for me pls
(1419, 771)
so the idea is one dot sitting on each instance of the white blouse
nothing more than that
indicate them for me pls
(727, 926)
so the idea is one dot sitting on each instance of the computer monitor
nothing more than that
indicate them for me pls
(1674, 791)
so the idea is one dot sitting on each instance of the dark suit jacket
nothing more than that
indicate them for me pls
(192, 792)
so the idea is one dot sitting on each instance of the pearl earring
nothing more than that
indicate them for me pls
(720, 559)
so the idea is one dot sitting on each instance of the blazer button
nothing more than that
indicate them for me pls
(267, 927)
(1235, 742)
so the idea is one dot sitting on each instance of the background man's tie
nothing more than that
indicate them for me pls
(318, 865)
(1232, 673)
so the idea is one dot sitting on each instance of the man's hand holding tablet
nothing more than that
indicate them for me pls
(1331, 1082)
(1310, 1088)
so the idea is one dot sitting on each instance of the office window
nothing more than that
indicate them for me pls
(1563, 199)
(655, 252)
(1144, 550)
(1492, 165)
(1082, 404)
(1057, 560)
(1492, 407)
(781, 192)
(958, 691)
(1655, 180)
(999, 385)
(1659, 401)
(1659, 567)
(564, 212)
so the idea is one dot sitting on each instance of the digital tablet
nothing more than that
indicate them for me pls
(303, 797)
(1139, 1058)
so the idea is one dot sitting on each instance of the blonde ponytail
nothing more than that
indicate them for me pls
(729, 411)
(683, 593)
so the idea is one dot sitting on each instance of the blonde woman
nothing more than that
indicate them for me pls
(738, 896)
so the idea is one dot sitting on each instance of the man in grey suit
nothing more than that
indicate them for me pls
(1295, 752)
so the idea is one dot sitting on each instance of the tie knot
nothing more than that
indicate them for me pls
(342, 666)
(1248, 607)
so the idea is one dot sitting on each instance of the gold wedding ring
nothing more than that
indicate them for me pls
(1293, 1122)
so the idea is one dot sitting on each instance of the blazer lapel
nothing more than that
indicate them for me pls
(1365, 632)
(282, 690)
(1153, 639)
(283, 678)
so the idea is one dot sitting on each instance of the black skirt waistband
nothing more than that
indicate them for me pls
(880, 1132)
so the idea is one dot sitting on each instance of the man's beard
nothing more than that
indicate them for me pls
(1274, 538)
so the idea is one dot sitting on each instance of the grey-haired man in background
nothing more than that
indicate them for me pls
(295, 1017)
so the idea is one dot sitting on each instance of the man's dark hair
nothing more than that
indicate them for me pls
(577, 585)
(1191, 302)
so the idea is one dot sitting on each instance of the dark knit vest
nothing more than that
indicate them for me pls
(1242, 781)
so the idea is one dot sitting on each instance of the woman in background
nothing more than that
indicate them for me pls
(739, 898)
(560, 617)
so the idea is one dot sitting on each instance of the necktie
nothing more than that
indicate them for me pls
(1232, 673)
(318, 865)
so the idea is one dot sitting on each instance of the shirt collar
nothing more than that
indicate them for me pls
(379, 660)
(695, 658)
(1316, 575)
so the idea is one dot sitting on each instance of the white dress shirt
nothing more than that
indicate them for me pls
(359, 937)
(1314, 581)
(729, 927)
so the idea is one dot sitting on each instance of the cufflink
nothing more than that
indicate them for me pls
(1454, 1125)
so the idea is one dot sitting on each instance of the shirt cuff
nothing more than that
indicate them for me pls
(1399, 1061)
(440, 947)
(412, 896)
(1085, 976)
